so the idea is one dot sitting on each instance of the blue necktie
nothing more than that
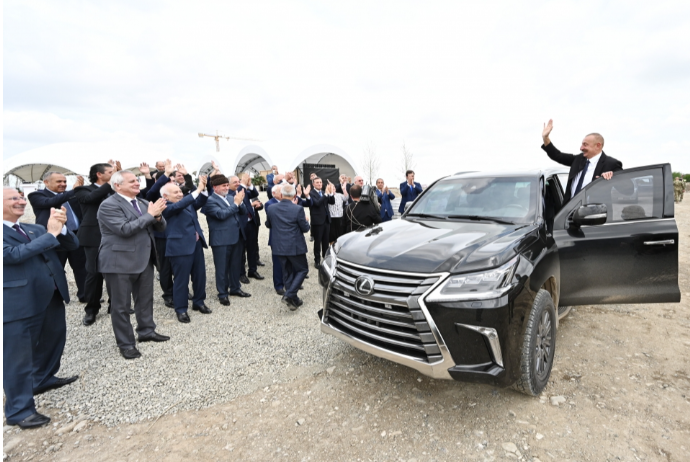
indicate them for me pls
(582, 178)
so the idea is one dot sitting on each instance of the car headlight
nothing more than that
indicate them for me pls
(476, 286)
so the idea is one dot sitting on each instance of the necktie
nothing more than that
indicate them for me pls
(21, 231)
(582, 178)
(320, 194)
(136, 207)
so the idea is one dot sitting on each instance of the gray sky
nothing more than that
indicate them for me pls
(465, 85)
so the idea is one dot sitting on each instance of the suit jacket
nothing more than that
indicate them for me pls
(359, 215)
(270, 203)
(290, 224)
(319, 208)
(183, 225)
(90, 198)
(32, 270)
(386, 206)
(43, 200)
(224, 222)
(248, 195)
(577, 163)
(257, 215)
(408, 194)
(127, 240)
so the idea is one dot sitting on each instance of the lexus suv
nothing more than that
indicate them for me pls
(471, 282)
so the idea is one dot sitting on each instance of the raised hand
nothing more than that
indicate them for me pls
(256, 204)
(168, 167)
(56, 221)
(117, 166)
(298, 191)
(79, 182)
(216, 168)
(385, 189)
(239, 197)
(145, 170)
(156, 208)
(202, 183)
(547, 131)
(295, 201)
(246, 179)
(180, 168)
(307, 190)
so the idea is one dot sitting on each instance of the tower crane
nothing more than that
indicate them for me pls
(218, 137)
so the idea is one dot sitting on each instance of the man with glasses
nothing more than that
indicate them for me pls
(33, 318)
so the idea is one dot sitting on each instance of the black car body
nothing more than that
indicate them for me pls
(470, 283)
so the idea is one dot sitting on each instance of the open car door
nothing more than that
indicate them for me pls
(633, 256)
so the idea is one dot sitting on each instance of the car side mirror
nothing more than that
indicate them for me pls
(408, 205)
(590, 215)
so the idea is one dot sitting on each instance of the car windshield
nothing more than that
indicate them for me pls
(501, 199)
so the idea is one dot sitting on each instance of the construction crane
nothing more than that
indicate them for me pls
(218, 137)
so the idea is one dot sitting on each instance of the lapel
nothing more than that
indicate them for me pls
(129, 208)
(11, 234)
(600, 166)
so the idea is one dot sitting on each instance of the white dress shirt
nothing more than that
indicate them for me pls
(588, 175)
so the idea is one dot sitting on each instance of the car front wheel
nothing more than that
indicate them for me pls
(538, 346)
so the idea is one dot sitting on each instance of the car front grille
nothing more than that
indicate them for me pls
(390, 317)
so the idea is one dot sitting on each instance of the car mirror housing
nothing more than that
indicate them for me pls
(590, 215)
(408, 205)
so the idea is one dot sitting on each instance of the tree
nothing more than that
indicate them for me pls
(407, 162)
(370, 164)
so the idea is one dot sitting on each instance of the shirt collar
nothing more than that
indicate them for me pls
(51, 191)
(8, 223)
(126, 198)
(594, 160)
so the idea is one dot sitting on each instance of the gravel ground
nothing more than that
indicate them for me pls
(254, 342)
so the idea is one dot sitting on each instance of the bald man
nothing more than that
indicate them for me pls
(585, 167)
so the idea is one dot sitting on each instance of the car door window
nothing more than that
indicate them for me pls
(634, 195)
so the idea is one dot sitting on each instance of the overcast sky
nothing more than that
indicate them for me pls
(465, 85)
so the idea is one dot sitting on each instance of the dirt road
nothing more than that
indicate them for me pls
(620, 391)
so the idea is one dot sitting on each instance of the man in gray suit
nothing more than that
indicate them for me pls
(125, 258)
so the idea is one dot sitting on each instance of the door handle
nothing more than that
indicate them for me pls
(668, 241)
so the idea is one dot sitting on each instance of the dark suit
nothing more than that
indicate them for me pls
(360, 215)
(162, 263)
(408, 194)
(33, 319)
(250, 231)
(577, 163)
(41, 203)
(125, 258)
(278, 282)
(386, 206)
(289, 223)
(89, 234)
(185, 244)
(320, 222)
(226, 240)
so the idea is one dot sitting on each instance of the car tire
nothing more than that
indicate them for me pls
(538, 346)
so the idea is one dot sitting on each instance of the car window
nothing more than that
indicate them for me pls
(513, 199)
(636, 195)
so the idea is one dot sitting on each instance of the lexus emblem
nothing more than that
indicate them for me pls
(364, 285)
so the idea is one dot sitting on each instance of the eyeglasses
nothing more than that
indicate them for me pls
(15, 198)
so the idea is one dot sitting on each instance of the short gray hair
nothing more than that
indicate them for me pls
(118, 179)
(276, 188)
(51, 173)
(167, 187)
(288, 191)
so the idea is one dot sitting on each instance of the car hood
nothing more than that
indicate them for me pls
(431, 246)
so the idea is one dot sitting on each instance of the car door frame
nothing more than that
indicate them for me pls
(605, 264)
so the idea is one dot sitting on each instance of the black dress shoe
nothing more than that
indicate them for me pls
(306, 277)
(292, 304)
(244, 279)
(89, 318)
(311, 238)
(224, 301)
(82, 300)
(154, 337)
(202, 309)
(240, 293)
(317, 264)
(169, 302)
(260, 263)
(131, 353)
(183, 317)
(59, 382)
(33, 421)
(280, 291)
(190, 296)
(130, 311)
(256, 275)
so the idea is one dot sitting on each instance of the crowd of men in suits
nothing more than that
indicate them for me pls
(113, 230)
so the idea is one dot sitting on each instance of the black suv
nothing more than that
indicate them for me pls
(471, 282)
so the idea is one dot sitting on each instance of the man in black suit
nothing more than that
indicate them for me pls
(320, 217)
(585, 167)
(287, 220)
(251, 231)
(89, 234)
(55, 196)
